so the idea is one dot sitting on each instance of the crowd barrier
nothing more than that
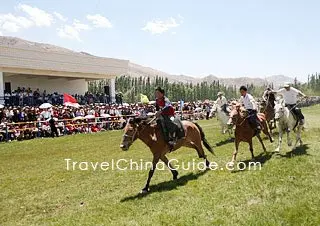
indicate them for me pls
(36, 127)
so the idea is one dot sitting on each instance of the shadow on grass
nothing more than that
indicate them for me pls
(167, 185)
(300, 150)
(260, 159)
(227, 141)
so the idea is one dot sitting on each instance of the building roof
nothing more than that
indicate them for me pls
(23, 57)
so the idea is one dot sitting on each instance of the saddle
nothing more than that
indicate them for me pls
(173, 126)
(180, 133)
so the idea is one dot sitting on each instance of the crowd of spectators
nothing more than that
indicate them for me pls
(27, 97)
(26, 121)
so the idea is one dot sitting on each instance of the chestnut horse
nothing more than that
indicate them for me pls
(268, 110)
(244, 132)
(151, 135)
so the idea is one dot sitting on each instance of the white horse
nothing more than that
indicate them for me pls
(286, 123)
(222, 117)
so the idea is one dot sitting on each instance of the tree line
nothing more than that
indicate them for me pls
(312, 87)
(132, 87)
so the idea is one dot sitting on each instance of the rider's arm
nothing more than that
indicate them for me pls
(264, 96)
(301, 93)
(253, 102)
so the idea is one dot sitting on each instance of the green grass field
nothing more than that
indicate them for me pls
(37, 189)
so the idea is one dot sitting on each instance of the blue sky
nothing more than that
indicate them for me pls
(225, 38)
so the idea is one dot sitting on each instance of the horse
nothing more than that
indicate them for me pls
(222, 117)
(244, 132)
(151, 135)
(268, 110)
(287, 122)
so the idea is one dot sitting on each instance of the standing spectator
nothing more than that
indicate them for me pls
(53, 127)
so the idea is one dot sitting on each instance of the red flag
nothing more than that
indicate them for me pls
(68, 98)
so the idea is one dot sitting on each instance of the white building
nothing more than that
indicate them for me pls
(53, 71)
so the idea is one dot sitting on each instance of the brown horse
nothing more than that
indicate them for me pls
(244, 132)
(268, 110)
(151, 135)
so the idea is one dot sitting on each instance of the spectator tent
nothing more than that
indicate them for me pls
(52, 68)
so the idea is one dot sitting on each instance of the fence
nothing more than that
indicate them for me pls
(40, 128)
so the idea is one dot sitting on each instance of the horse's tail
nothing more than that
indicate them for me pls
(203, 138)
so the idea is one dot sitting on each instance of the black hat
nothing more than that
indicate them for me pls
(160, 90)
(243, 88)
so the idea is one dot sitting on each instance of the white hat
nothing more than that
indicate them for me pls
(220, 93)
(286, 85)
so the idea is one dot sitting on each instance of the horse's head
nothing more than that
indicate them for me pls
(279, 109)
(130, 133)
(234, 114)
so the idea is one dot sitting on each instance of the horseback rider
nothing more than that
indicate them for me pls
(290, 95)
(222, 102)
(269, 97)
(250, 105)
(165, 114)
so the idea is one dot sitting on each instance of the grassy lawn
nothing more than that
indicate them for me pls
(37, 189)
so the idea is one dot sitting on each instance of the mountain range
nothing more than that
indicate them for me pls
(136, 70)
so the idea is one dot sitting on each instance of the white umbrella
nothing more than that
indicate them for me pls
(1, 106)
(125, 104)
(69, 104)
(45, 105)
(151, 114)
(89, 116)
(105, 115)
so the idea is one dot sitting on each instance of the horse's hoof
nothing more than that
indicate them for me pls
(144, 191)
(231, 164)
(175, 176)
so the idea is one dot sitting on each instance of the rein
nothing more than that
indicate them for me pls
(244, 119)
(137, 132)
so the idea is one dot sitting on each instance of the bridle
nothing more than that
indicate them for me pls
(133, 136)
(236, 122)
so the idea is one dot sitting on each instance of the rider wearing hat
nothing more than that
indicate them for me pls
(165, 114)
(290, 95)
(222, 102)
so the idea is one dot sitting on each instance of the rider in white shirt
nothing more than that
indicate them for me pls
(222, 102)
(250, 105)
(290, 97)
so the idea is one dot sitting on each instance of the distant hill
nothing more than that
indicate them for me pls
(136, 70)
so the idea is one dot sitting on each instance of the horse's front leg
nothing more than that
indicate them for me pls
(280, 140)
(289, 141)
(222, 129)
(261, 142)
(234, 156)
(173, 171)
(251, 148)
(151, 172)
(298, 138)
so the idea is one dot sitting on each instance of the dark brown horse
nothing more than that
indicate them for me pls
(151, 135)
(244, 132)
(268, 110)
